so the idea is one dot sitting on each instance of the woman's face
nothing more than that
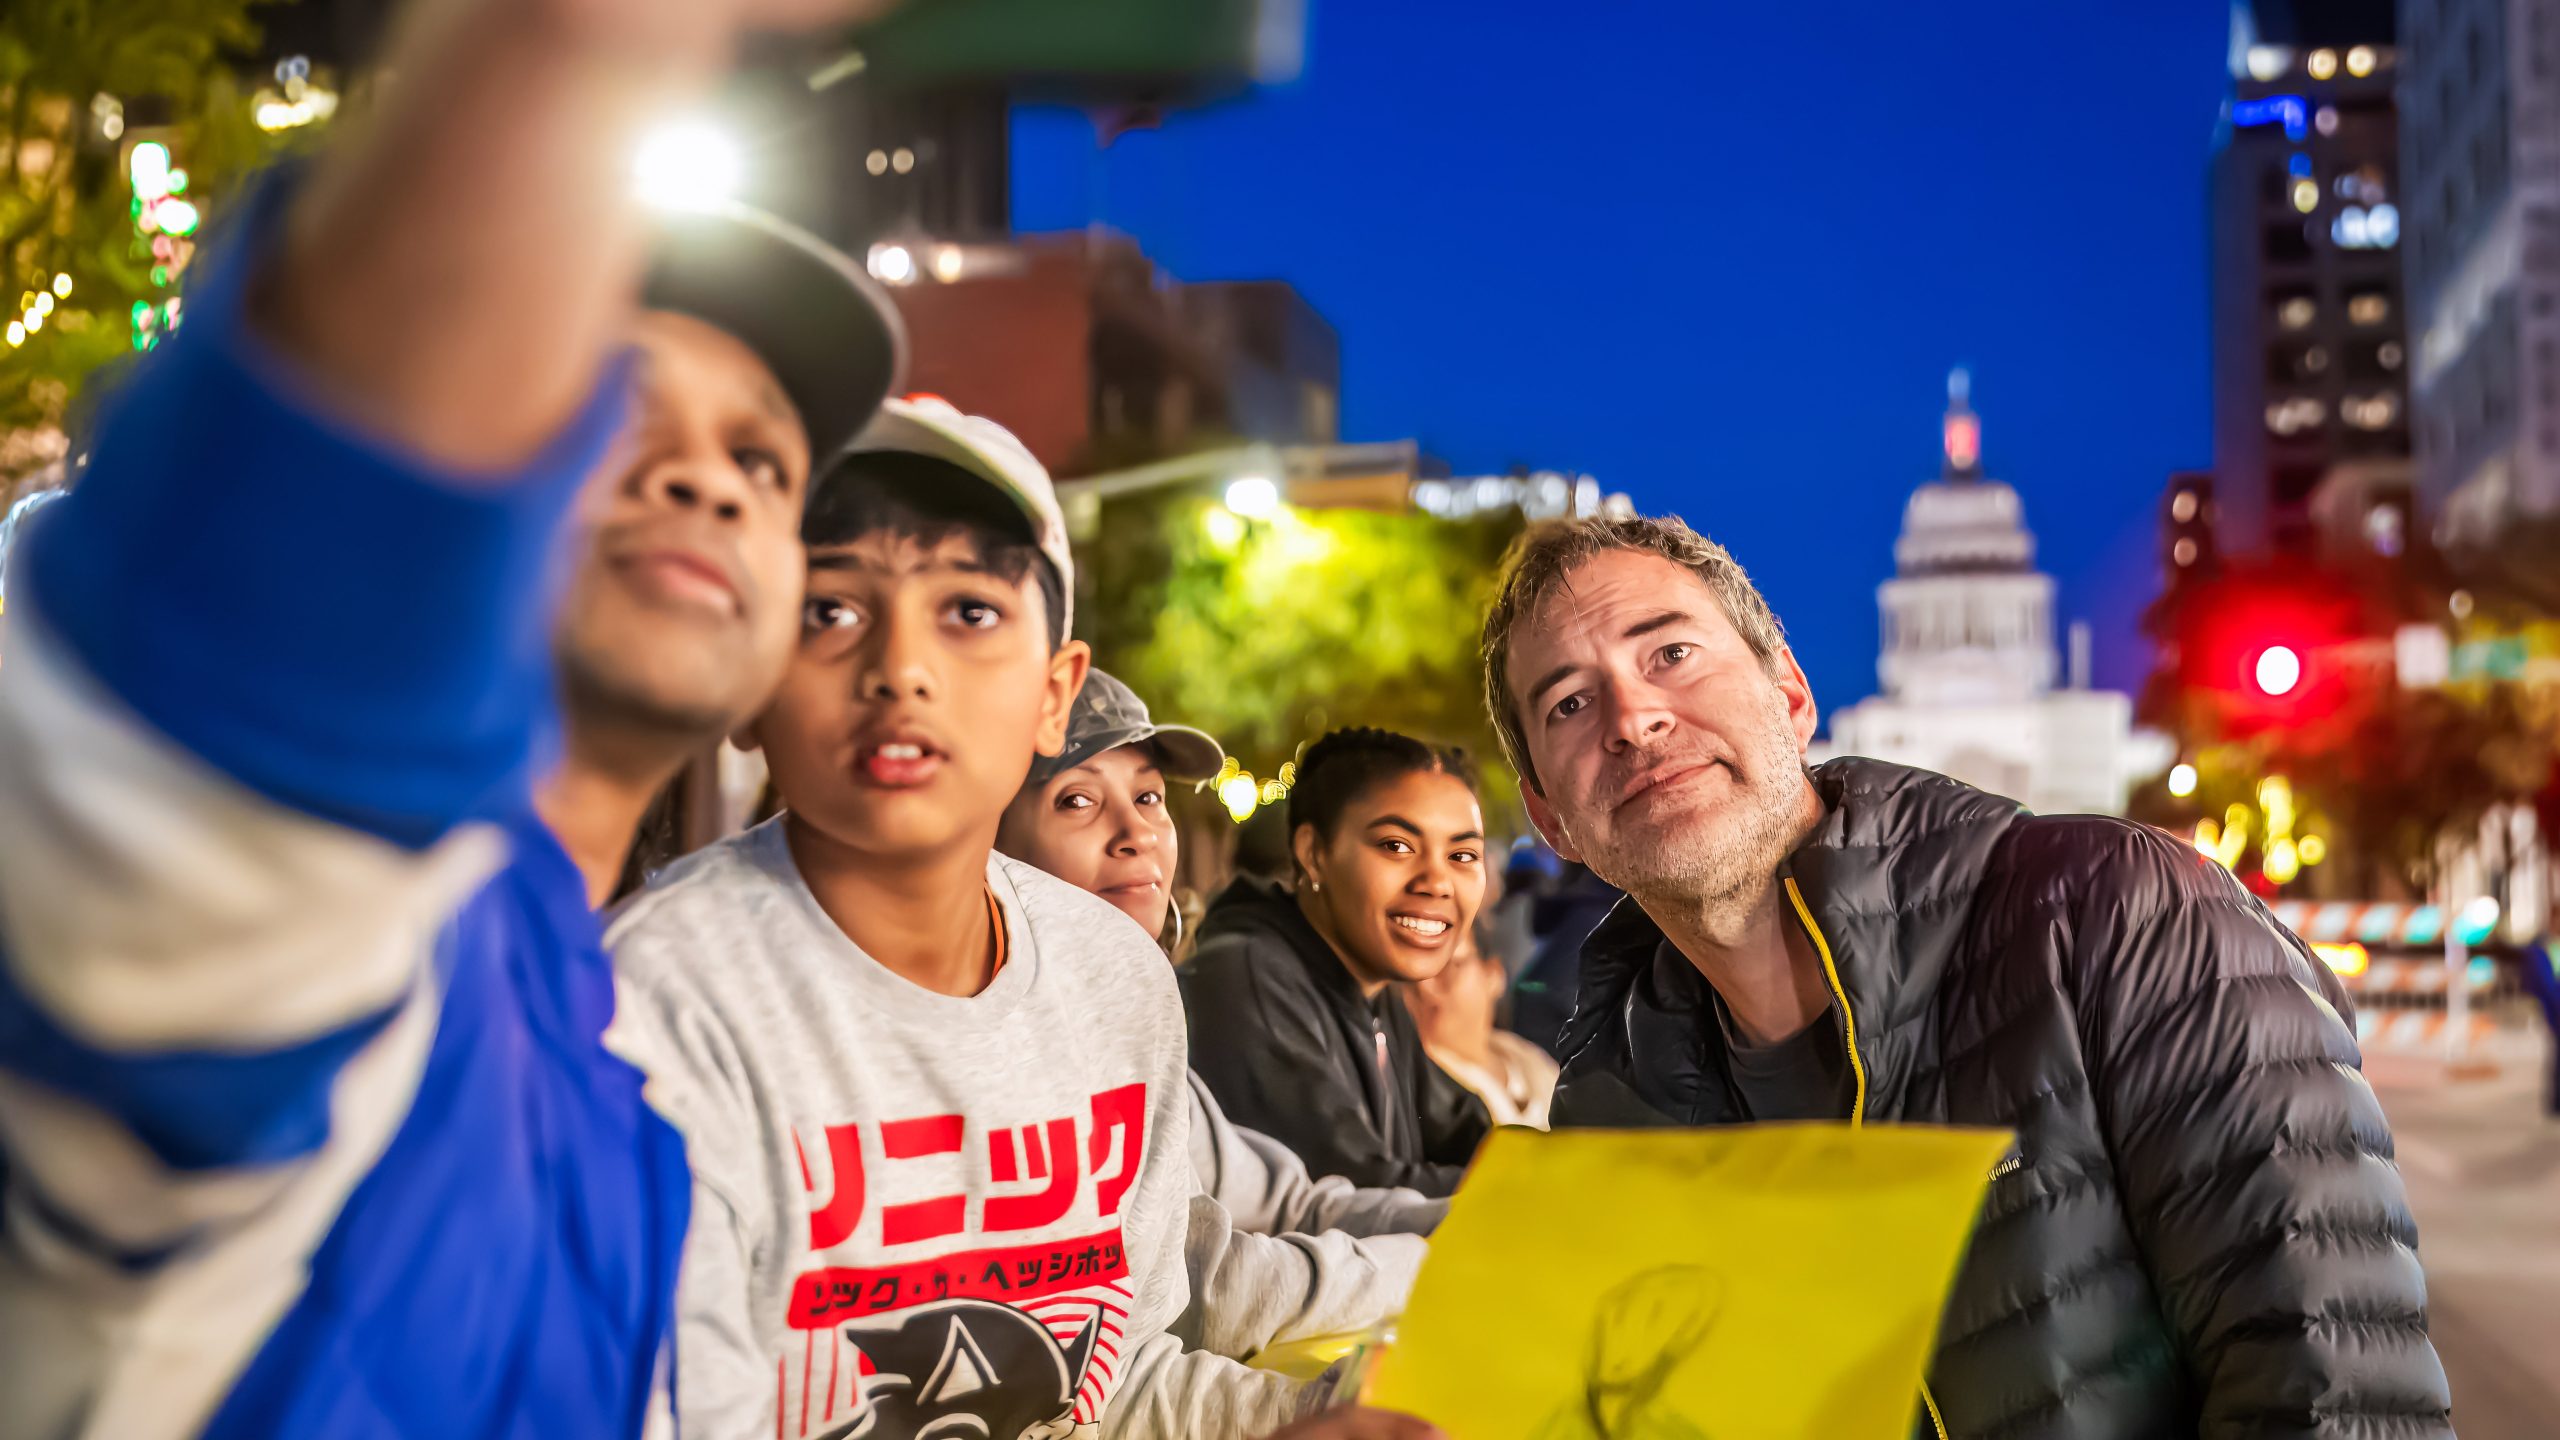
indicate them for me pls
(1398, 881)
(1103, 827)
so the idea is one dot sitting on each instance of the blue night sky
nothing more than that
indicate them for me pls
(1722, 256)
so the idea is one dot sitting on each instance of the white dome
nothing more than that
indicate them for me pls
(1961, 526)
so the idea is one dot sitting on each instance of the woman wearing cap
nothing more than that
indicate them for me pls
(1095, 816)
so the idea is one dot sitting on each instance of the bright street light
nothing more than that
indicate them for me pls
(1240, 795)
(2278, 670)
(688, 164)
(1254, 497)
(895, 264)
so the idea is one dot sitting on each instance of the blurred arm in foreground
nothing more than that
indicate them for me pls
(280, 673)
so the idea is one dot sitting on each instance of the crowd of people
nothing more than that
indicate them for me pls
(335, 1100)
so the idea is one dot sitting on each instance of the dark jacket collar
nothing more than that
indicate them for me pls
(1888, 875)
(1249, 906)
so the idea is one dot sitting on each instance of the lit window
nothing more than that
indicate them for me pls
(2383, 529)
(2389, 354)
(2296, 312)
(2382, 227)
(2322, 64)
(2326, 120)
(2306, 195)
(2183, 508)
(902, 159)
(2315, 359)
(2350, 230)
(877, 162)
(2368, 308)
(2370, 187)
(2294, 415)
(2360, 61)
(2266, 62)
(2370, 412)
(2184, 552)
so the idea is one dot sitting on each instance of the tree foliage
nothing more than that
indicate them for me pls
(1267, 633)
(164, 68)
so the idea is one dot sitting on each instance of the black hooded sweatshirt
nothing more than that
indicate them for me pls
(1283, 1037)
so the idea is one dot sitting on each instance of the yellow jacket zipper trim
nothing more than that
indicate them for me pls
(1857, 1069)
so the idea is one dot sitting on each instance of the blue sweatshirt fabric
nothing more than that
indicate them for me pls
(310, 1127)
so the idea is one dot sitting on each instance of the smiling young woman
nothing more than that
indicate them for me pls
(1294, 1021)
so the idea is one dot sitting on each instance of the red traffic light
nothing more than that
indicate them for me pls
(2277, 670)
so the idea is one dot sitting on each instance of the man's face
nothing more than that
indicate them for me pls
(1103, 827)
(1669, 759)
(923, 686)
(686, 599)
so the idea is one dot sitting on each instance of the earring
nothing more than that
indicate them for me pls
(1315, 884)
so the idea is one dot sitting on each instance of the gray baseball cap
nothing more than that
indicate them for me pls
(1108, 715)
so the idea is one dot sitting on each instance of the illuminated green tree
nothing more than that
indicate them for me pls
(1267, 633)
(82, 82)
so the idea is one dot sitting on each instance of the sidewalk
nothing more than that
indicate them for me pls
(2482, 1165)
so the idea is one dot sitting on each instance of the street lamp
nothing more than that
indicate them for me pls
(1254, 497)
(895, 264)
(688, 164)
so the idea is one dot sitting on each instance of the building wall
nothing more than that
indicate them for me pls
(2069, 752)
(1961, 638)
(1015, 348)
(2481, 101)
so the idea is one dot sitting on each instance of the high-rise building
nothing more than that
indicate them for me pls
(2310, 349)
(2480, 127)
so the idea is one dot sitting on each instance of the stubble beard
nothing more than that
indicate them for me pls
(1723, 863)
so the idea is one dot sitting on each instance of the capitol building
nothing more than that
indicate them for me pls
(1971, 672)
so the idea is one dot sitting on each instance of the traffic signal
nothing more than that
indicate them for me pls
(2269, 650)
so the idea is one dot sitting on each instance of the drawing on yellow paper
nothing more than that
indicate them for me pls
(1745, 1283)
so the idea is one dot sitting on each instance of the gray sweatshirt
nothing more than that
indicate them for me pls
(938, 1206)
(1265, 1186)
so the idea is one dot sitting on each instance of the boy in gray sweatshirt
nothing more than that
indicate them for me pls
(935, 1101)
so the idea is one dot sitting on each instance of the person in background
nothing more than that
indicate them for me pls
(1508, 935)
(1293, 1027)
(1564, 915)
(2199, 1231)
(899, 1056)
(2541, 963)
(1455, 1012)
(1094, 815)
(310, 1129)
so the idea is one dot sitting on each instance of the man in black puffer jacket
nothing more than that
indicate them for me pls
(2200, 1232)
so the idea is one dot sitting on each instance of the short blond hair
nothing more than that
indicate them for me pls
(1542, 560)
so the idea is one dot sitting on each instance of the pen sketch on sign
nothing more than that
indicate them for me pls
(1643, 1330)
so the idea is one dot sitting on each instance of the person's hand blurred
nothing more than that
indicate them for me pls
(1360, 1423)
(788, 15)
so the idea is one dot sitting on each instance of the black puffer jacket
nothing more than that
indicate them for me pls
(2202, 1233)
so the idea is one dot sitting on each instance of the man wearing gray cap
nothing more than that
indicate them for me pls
(309, 1126)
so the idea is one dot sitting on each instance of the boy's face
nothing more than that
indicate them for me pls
(923, 686)
(686, 598)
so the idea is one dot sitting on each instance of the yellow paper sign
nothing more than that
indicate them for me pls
(1759, 1282)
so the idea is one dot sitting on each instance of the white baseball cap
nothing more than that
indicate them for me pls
(931, 426)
